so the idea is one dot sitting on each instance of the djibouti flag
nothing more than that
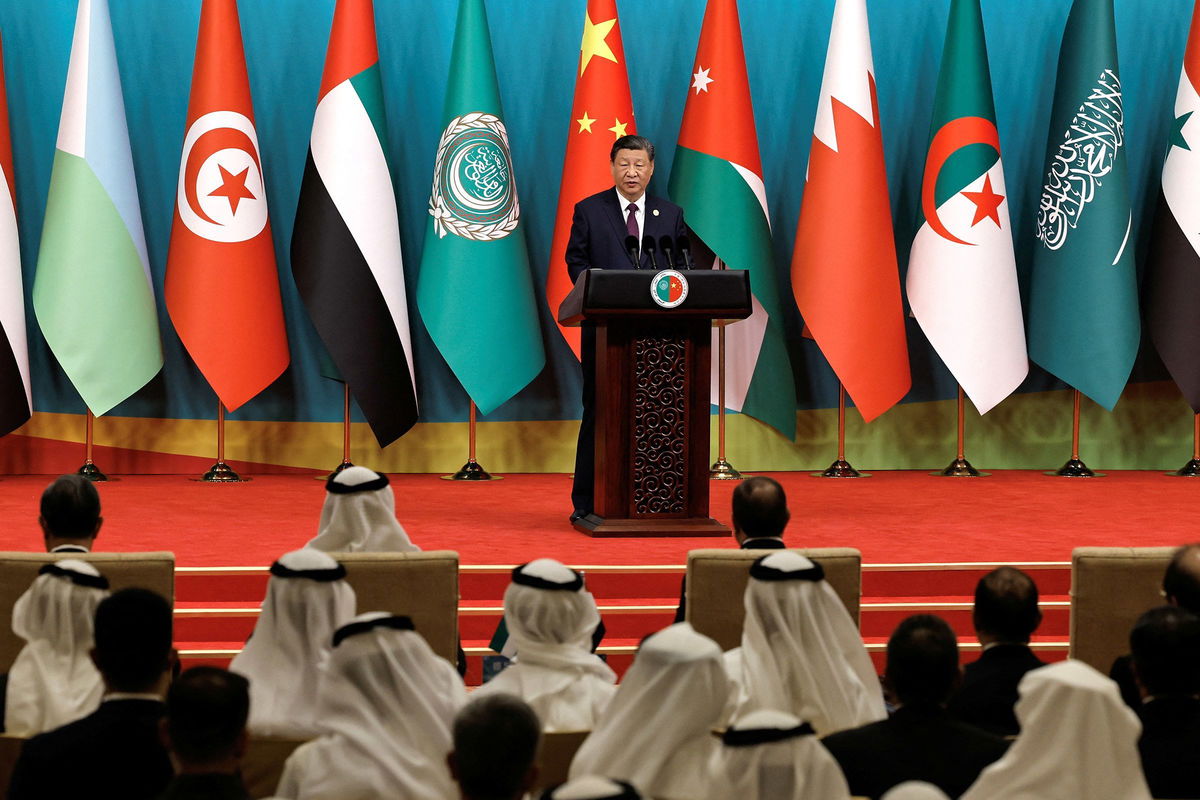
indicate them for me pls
(92, 293)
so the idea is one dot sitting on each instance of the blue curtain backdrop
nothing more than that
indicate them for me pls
(536, 44)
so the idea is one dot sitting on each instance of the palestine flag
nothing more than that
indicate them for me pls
(16, 403)
(962, 274)
(346, 241)
(1083, 313)
(717, 178)
(1173, 272)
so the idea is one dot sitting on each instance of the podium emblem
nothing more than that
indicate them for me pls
(669, 288)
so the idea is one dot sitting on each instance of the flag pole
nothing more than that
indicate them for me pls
(1192, 468)
(721, 470)
(1075, 468)
(960, 467)
(471, 471)
(221, 472)
(841, 468)
(89, 469)
(346, 462)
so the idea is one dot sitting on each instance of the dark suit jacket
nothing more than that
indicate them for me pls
(206, 787)
(114, 752)
(1170, 746)
(765, 543)
(989, 688)
(598, 232)
(1122, 672)
(914, 744)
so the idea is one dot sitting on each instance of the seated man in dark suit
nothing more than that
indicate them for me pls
(760, 513)
(1166, 664)
(920, 741)
(114, 752)
(496, 740)
(70, 515)
(1006, 614)
(205, 730)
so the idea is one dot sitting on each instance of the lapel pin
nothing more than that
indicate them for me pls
(656, 212)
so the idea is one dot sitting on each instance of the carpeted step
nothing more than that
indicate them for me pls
(880, 615)
(956, 578)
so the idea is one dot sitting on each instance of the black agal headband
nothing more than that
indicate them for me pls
(525, 579)
(396, 623)
(324, 574)
(735, 737)
(763, 572)
(77, 578)
(333, 487)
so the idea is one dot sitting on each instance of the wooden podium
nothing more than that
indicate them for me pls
(653, 384)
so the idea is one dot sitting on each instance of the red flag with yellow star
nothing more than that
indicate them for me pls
(601, 112)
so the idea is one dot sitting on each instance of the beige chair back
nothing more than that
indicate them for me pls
(555, 756)
(154, 571)
(421, 585)
(263, 763)
(716, 584)
(1110, 588)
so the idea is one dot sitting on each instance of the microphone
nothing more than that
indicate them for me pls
(681, 245)
(631, 247)
(668, 250)
(648, 246)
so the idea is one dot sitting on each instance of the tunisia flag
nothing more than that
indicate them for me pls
(222, 288)
(601, 113)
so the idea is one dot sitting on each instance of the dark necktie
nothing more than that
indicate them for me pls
(631, 222)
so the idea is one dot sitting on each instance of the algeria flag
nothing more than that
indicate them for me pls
(717, 178)
(962, 275)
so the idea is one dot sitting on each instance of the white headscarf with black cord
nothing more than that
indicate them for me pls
(592, 787)
(772, 755)
(359, 515)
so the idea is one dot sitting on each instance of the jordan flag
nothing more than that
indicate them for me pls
(717, 178)
(15, 401)
(222, 287)
(601, 111)
(346, 241)
(1173, 269)
(844, 271)
(962, 274)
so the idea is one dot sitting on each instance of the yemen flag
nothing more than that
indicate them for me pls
(92, 292)
(844, 272)
(475, 292)
(962, 274)
(346, 241)
(222, 286)
(601, 97)
(16, 403)
(1083, 312)
(1173, 273)
(717, 178)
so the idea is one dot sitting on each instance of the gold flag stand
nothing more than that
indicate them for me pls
(1192, 468)
(346, 462)
(221, 472)
(841, 468)
(89, 469)
(960, 467)
(471, 471)
(721, 470)
(1075, 468)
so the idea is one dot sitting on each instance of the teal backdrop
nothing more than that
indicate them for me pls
(536, 45)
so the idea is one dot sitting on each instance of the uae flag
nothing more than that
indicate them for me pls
(346, 241)
(717, 177)
(844, 272)
(222, 287)
(601, 112)
(1173, 271)
(16, 403)
(962, 273)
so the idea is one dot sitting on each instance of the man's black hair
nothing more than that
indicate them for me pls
(631, 142)
(1165, 642)
(1006, 605)
(495, 742)
(1181, 582)
(760, 507)
(133, 639)
(71, 507)
(922, 661)
(207, 708)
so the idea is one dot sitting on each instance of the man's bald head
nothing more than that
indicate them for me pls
(1181, 582)
(759, 509)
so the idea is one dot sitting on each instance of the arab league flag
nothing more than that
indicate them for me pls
(962, 273)
(717, 178)
(92, 292)
(1173, 270)
(1083, 312)
(346, 240)
(222, 287)
(16, 403)
(475, 292)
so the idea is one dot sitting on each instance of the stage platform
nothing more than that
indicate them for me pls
(925, 541)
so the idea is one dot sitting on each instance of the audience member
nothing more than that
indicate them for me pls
(760, 513)
(801, 652)
(1006, 615)
(772, 755)
(359, 515)
(915, 790)
(1078, 739)
(307, 599)
(591, 787)
(920, 741)
(116, 750)
(550, 618)
(70, 515)
(53, 680)
(657, 731)
(205, 731)
(384, 710)
(495, 743)
(1166, 662)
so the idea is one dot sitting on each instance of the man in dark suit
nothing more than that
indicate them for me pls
(1005, 616)
(599, 228)
(1166, 663)
(70, 515)
(115, 752)
(205, 730)
(496, 741)
(920, 741)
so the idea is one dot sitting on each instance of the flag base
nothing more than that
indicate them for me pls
(841, 469)
(336, 471)
(1188, 470)
(92, 472)
(471, 471)
(961, 468)
(1075, 469)
(221, 472)
(722, 470)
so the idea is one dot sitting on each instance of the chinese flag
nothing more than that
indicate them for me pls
(222, 288)
(601, 113)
